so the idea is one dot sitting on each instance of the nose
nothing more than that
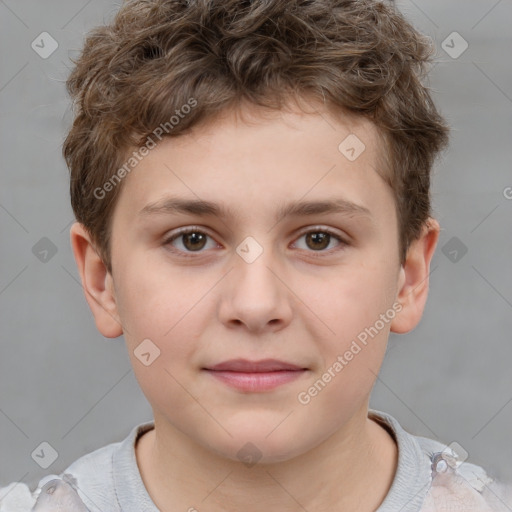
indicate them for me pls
(256, 295)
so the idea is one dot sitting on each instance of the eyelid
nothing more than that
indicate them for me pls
(324, 229)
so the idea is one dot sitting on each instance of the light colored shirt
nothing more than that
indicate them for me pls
(430, 477)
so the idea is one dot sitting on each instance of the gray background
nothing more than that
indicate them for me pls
(63, 383)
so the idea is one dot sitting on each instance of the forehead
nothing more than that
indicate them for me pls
(331, 133)
(247, 159)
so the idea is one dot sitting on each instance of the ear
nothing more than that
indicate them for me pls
(96, 281)
(413, 279)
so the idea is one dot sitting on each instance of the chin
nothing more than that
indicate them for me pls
(255, 445)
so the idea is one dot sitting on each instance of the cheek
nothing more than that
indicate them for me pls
(162, 306)
(155, 308)
(152, 297)
(356, 312)
(352, 301)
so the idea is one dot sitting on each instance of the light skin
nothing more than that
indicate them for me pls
(303, 300)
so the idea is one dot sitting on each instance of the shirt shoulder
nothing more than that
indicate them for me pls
(84, 486)
(434, 477)
(87, 485)
(458, 485)
(16, 497)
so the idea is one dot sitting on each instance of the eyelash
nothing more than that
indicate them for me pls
(197, 229)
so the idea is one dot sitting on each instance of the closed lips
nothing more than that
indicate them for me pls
(263, 366)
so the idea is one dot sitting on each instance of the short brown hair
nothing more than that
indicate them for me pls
(358, 56)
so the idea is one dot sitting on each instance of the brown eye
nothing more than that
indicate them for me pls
(193, 241)
(318, 240)
(188, 241)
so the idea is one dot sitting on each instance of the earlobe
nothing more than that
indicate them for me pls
(413, 281)
(96, 282)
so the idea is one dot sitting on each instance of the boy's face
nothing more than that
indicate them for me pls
(249, 286)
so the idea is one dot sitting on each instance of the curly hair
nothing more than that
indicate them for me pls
(158, 56)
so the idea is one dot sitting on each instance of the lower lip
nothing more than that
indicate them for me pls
(255, 382)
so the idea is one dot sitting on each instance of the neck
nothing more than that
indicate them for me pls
(353, 469)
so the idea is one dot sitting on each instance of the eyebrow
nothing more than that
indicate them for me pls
(176, 205)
